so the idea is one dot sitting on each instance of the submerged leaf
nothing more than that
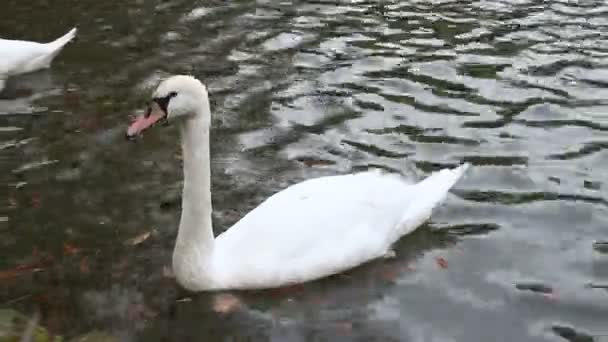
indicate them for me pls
(389, 274)
(10, 274)
(36, 200)
(69, 249)
(226, 303)
(441, 262)
(138, 239)
(34, 266)
(84, 266)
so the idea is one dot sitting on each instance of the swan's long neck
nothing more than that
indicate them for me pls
(195, 225)
(194, 246)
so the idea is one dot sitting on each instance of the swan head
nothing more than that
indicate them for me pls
(178, 98)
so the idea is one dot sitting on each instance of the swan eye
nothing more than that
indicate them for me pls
(163, 102)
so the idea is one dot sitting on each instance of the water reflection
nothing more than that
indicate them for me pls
(302, 89)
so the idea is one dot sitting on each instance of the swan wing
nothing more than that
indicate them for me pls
(324, 226)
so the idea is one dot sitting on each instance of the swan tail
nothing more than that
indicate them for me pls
(440, 182)
(63, 40)
(54, 47)
(430, 193)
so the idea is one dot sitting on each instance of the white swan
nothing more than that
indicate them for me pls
(20, 57)
(310, 230)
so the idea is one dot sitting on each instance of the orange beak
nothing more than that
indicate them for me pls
(143, 122)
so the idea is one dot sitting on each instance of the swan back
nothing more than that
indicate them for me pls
(20, 56)
(324, 226)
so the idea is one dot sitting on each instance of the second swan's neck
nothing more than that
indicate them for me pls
(195, 242)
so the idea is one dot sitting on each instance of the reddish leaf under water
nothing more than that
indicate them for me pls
(25, 268)
(41, 299)
(226, 303)
(441, 262)
(84, 265)
(36, 200)
(390, 273)
(42, 262)
(69, 249)
(10, 274)
(71, 100)
(552, 296)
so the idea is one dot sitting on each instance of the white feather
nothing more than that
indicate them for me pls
(20, 57)
(324, 226)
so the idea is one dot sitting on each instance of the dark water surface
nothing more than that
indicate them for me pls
(301, 89)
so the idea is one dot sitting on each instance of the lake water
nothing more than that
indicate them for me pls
(301, 89)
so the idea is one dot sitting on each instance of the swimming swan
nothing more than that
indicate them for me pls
(20, 56)
(307, 231)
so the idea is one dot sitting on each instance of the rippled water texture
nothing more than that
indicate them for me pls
(302, 89)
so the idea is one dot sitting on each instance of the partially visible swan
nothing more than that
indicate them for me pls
(310, 230)
(20, 57)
